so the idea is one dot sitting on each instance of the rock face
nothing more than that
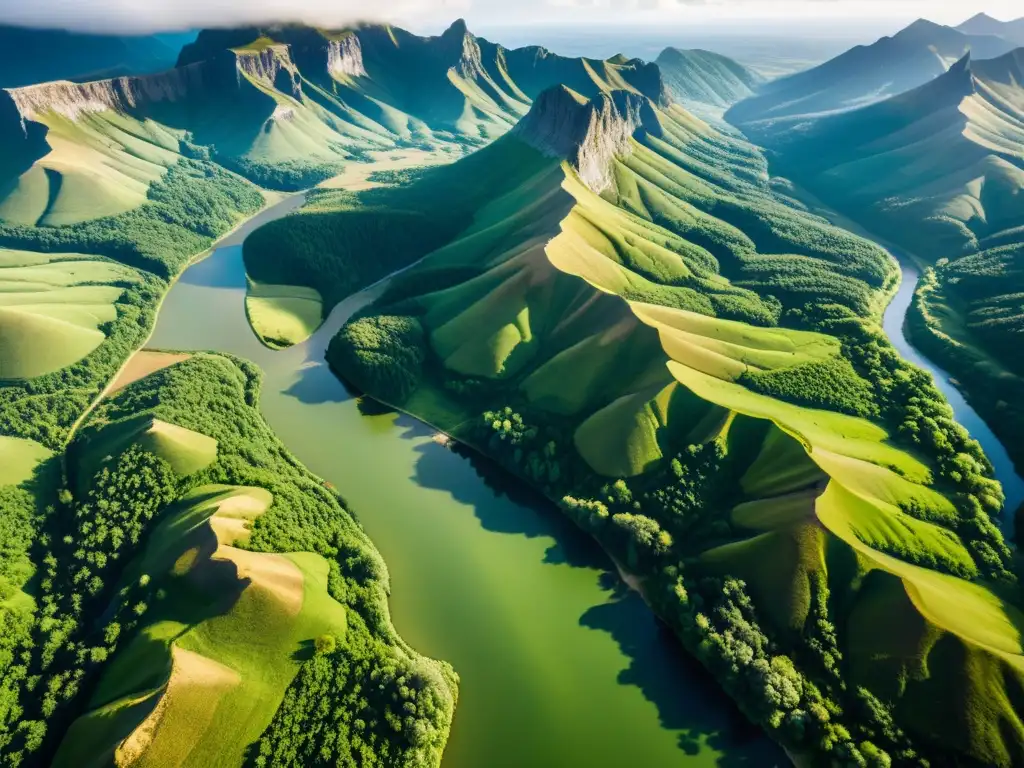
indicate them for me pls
(273, 66)
(121, 94)
(345, 57)
(590, 134)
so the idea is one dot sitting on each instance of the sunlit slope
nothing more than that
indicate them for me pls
(947, 156)
(703, 78)
(205, 674)
(287, 107)
(627, 298)
(861, 76)
(54, 308)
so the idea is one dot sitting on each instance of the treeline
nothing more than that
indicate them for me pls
(193, 204)
(393, 708)
(286, 176)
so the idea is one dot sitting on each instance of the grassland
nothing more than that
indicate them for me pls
(283, 315)
(687, 342)
(54, 307)
(19, 458)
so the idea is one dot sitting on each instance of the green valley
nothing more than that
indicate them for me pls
(613, 397)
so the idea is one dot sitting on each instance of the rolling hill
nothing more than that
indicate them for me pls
(706, 78)
(638, 324)
(42, 55)
(861, 76)
(940, 171)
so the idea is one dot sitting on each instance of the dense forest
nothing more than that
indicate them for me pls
(83, 536)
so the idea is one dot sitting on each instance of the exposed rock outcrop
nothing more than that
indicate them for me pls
(122, 94)
(590, 134)
(272, 66)
(345, 57)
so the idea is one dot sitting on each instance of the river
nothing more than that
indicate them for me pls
(560, 665)
(893, 323)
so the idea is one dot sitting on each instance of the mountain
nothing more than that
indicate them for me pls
(940, 171)
(614, 302)
(706, 78)
(287, 107)
(983, 24)
(40, 55)
(860, 76)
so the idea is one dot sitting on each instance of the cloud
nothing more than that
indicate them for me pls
(141, 15)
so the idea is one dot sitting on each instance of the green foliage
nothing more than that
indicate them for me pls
(193, 204)
(829, 384)
(384, 355)
(287, 175)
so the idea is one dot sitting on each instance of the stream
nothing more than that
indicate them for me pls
(560, 665)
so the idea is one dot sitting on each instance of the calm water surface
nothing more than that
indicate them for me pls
(560, 666)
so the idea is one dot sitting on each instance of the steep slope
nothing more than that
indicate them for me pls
(699, 78)
(861, 76)
(641, 328)
(983, 24)
(286, 107)
(940, 171)
(40, 55)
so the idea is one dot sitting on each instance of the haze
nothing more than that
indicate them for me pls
(429, 14)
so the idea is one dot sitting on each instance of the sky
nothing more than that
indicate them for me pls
(428, 15)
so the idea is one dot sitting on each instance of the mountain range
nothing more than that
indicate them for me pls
(861, 76)
(983, 24)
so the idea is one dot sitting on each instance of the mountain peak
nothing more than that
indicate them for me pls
(920, 27)
(458, 30)
(589, 133)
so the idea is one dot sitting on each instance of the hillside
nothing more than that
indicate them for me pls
(861, 76)
(940, 171)
(637, 324)
(200, 583)
(983, 24)
(41, 55)
(699, 79)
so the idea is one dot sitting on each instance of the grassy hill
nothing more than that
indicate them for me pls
(940, 171)
(700, 79)
(203, 594)
(42, 55)
(861, 76)
(637, 323)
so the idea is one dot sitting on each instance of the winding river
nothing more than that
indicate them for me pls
(893, 323)
(560, 665)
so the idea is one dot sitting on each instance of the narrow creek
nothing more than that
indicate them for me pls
(560, 665)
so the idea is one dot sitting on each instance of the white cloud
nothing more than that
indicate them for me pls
(148, 14)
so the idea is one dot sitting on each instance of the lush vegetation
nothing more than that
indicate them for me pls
(786, 443)
(83, 541)
(194, 204)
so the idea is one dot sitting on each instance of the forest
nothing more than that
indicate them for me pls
(83, 535)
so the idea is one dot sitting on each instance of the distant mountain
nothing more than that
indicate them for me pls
(285, 106)
(940, 171)
(41, 55)
(706, 78)
(983, 24)
(861, 76)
